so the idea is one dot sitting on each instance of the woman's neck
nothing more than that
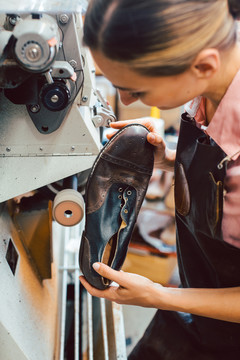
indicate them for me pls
(230, 65)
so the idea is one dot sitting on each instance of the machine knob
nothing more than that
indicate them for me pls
(55, 96)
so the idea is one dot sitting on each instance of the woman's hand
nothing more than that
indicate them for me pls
(220, 303)
(164, 157)
(132, 290)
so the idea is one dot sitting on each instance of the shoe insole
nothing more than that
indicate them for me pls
(110, 249)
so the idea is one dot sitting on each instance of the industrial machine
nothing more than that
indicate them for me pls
(51, 124)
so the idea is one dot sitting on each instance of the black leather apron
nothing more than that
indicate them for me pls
(204, 259)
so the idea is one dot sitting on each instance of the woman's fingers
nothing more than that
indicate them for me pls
(105, 271)
(143, 121)
(133, 289)
(108, 273)
(121, 124)
(110, 293)
(155, 139)
(109, 136)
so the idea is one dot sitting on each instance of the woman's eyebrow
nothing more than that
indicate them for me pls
(123, 88)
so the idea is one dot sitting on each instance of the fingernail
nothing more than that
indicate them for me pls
(151, 137)
(96, 266)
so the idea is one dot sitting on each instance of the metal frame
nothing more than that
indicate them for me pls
(103, 321)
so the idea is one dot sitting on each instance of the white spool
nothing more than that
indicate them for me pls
(68, 207)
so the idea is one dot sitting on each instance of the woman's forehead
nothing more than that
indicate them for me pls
(120, 74)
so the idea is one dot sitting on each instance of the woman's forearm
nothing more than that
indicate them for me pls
(221, 304)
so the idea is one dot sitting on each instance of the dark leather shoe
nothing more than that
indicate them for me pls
(115, 191)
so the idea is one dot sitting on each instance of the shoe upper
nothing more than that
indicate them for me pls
(114, 194)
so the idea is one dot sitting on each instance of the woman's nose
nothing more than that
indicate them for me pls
(126, 97)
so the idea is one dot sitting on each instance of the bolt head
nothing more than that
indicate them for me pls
(54, 99)
(84, 98)
(64, 18)
(13, 20)
(73, 63)
(33, 52)
(34, 108)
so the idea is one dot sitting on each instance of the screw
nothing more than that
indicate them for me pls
(54, 99)
(64, 18)
(84, 98)
(33, 52)
(34, 108)
(41, 148)
(8, 149)
(72, 147)
(13, 20)
(73, 63)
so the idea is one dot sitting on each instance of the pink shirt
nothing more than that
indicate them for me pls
(224, 129)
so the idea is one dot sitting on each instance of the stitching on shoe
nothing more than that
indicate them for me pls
(109, 143)
(126, 164)
(97, 205)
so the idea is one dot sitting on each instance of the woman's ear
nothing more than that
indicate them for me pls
(206, 64)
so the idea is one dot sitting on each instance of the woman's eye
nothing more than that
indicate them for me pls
(136, 95)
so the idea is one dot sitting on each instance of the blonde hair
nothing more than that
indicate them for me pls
(159, 37)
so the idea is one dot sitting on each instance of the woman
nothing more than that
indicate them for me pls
(169, 53)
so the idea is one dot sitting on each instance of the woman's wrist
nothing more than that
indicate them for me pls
(168, 298)
(160, 297)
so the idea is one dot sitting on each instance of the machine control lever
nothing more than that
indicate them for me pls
(104, 112)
